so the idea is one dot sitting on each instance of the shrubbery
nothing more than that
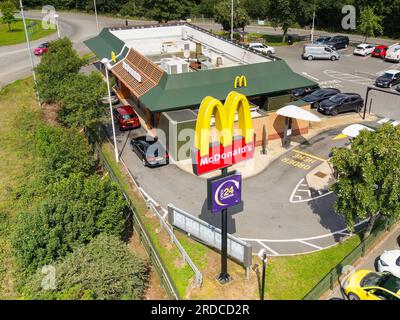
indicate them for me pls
(103, 269)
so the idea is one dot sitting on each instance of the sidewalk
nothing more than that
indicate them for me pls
(389, 241)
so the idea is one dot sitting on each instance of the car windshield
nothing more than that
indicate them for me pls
(371, 279)
(378, 50)
(42, 46)
(387, 75)
(360, 48)
(318, 93)
(128, 116)
(337, 98)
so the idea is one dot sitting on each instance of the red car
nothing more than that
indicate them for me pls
(379, 51)
(126, 117)
(41, 49)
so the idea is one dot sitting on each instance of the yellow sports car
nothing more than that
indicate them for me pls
(370, 285)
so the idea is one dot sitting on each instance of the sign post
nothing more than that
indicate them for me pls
(225, 190)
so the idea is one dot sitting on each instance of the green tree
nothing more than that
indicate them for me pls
(257, 9)
(80, 105)
(74, 211)
(282, 14)
(370, 23)
(7, 9)
(368, 177)
(167, 10)
(62, 152)
(223, 15)
(56, 68)
(103, 269)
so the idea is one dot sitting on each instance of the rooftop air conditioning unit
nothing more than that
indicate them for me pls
(207, 65)
(174, 65)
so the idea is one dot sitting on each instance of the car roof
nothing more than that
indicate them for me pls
(125, 110)
(381, 46)
(392, 71)
(364, 45)
(255, 44)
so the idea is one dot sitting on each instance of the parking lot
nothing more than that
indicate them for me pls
(349, 74)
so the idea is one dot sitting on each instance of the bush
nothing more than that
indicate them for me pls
(56, 68)
(75, 210)
(103, 269)
(80, 105)
(63, 152)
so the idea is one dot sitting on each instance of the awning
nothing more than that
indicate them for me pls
(353, 130)
(295, 112)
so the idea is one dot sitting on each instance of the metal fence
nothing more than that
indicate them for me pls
(333, 276)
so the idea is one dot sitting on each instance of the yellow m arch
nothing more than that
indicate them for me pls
(224, 121)
(240, 81)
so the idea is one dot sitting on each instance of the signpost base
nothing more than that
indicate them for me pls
(224, 278)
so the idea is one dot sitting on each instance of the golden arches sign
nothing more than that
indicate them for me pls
(230, 149)
(240, 81)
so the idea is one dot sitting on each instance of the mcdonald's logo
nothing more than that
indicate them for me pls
(240, 82)
(113, 57)
(229, 149)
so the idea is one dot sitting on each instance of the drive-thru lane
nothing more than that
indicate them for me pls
(269, 219)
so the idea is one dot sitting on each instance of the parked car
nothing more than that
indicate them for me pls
(338, 42)
(389, 261)
(363, 49)
(321, 94)
(369, 285)
(150, 151)
(41, 49)
(319, 51)
(262, 48)
(114, 98)
(301, 92)
(388, 79)
(393, 53)
(379, 51)
(341, 102)
(322, 40)
(126, 117)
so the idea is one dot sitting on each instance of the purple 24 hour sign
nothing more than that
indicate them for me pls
(224, 192)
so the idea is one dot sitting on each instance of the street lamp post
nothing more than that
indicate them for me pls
(232, 20)
(29, 50)
(107, 66)
(312, 28)
(95, 13)
(56, 16)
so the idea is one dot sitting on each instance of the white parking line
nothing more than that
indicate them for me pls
(268, 248)
(384, 120)
(348, 77)
(310, 244)
(309, 76)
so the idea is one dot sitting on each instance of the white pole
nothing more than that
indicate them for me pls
(312, 28)
(106, 63)
(95, 13)
(29, 50)
(57, 25)
(232, 21)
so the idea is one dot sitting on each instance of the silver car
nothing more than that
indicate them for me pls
(319, 51)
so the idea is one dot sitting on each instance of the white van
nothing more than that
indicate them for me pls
(393, 53)
(319, 51)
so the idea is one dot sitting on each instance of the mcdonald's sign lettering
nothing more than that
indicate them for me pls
(229, 149)
(240, 81)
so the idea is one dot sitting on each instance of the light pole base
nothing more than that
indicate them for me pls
(224, 278)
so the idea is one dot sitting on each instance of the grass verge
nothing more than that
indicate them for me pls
(17, 33)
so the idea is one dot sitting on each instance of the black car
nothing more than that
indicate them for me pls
(301, 92)
(150, 151)
(342, 102)
(321, 94)
(322, 40)
(388, 79)
(338, 42)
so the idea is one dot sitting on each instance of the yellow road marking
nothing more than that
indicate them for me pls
(340, 136)
(309, 155)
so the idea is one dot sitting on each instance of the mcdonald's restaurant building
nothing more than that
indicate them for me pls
(164, 72)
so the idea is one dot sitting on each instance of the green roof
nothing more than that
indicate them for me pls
(188, 89)
(103, 44)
